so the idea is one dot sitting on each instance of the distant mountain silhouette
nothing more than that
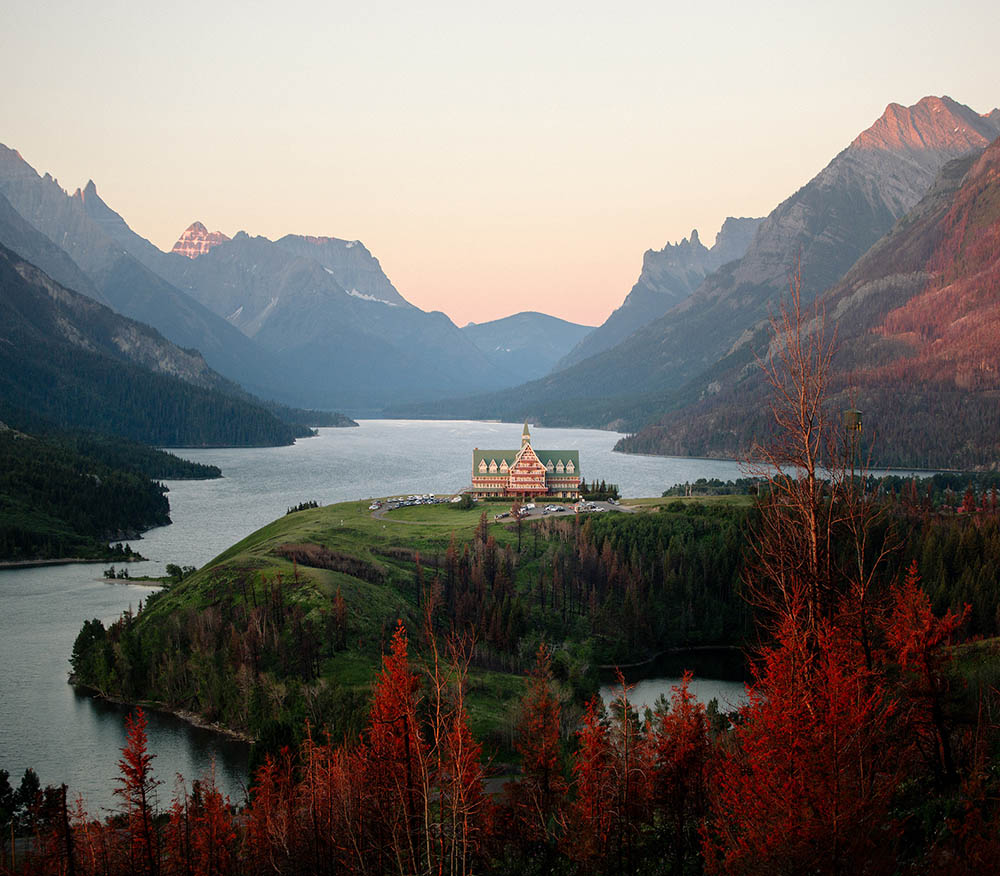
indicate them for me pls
(526, 344)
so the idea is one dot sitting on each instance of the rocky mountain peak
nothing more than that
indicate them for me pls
(13, 166)
(933, 123)
(197, 240)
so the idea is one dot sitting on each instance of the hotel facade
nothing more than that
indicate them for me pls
(526, 473)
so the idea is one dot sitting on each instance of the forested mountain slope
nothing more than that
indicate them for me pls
(122, 281)
(77, 363)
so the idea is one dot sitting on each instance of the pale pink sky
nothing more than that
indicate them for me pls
(516, 156)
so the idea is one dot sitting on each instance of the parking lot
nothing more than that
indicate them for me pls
(554, 509)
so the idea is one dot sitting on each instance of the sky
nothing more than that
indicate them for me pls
(493, 157)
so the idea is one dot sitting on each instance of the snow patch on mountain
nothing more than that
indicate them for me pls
(356, 294)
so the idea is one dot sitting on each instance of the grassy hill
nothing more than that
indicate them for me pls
(290, 623)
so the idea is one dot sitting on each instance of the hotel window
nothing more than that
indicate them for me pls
(493, 466)
(560, 467)
(549, 466)
(503, 465)
(482, 466)
(570, 467)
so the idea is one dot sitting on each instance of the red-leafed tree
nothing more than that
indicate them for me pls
(806, 785)
(394, 752)
(592, 813)
(137, 792)
(177, 834)
(91, 839)
(920, 642)
(200, 836)
(681, 752)
(537, 798)
(270, 835)
(321, 805)
(458, 814)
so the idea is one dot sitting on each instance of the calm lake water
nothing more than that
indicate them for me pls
(71, 738)
(718, 673)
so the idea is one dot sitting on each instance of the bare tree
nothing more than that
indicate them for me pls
(814, 548)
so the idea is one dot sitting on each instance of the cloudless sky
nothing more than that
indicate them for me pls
(493, 157)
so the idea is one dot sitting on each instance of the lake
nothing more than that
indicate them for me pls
(717, 674)
(67, 737)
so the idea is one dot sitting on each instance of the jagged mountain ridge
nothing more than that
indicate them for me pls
(526, 344)
(328, 328)
(356, 348)
(356, 270)
(668, 276)
(84, 228)
(827, 225)
(322, 308)
(17, 234)
(918, 329)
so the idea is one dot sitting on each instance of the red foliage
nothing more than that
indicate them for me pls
(271, 821)
(681, 753)
(200, 836)
(591, 813)
(920, 642)
(538, 796)
(392, 757)
(807, 784)
(137, 791)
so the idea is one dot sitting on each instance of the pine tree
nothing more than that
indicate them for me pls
(137, 792)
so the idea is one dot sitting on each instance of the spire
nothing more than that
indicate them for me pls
(525, 435)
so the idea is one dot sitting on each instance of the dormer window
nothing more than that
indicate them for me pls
(560, 467)
(503, 465)
(482, 466)
(549, 466)
(570, 468)
(493, 466)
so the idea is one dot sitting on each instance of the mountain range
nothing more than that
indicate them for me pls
(917, 324)
(307, 320)
(73, 362)
(314, 320)
(824, 228)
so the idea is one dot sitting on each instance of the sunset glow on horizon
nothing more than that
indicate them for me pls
(493, 161)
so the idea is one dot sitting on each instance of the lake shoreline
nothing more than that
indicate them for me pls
(66, 561)
(192, 718)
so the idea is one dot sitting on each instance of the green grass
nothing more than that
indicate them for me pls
(386, 547)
